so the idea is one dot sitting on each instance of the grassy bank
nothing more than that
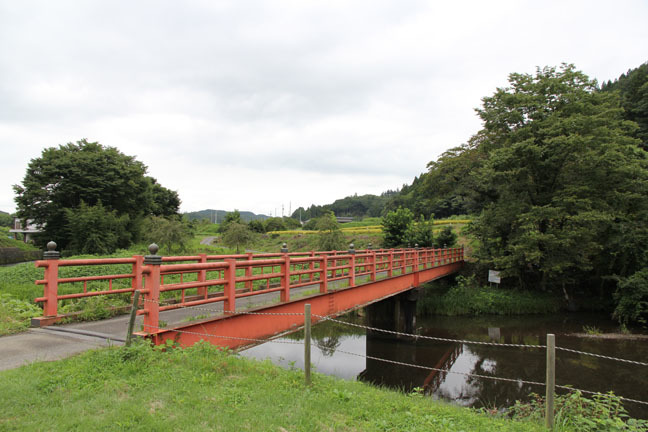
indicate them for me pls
(201, 388)
(465, 297)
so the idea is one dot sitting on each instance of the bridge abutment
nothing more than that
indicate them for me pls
(396, 313)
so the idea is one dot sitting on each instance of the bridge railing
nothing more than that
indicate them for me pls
(181, 281)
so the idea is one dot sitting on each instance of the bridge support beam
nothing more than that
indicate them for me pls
(241, 329)
(397, 313)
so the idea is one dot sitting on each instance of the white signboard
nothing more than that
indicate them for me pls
(494, 276)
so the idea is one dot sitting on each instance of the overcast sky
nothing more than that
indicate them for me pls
(255, 104)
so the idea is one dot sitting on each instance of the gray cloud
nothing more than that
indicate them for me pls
(306, 101)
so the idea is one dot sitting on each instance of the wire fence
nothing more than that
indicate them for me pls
(413, 336)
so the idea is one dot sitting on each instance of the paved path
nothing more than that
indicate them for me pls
(60, 341)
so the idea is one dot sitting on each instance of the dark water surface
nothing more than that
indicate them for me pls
(329, 340)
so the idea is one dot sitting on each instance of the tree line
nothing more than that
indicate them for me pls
(557, 179)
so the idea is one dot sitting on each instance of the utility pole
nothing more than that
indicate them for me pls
(282, 210)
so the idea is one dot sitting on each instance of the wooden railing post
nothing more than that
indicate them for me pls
(138, 276)
(390, 268)
(373, 266)
(352, 265)
(248, 272)
(50, 308)
(152, 264)
(324, 274)
(202, 276)
(311, 266)
(229, 305)
(285, 279)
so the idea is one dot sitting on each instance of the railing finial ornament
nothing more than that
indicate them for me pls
(153, 258)
(284, 248)
(51, 253)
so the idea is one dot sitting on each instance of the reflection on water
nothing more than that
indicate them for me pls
(580, 371)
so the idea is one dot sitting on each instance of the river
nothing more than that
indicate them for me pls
(332, 343)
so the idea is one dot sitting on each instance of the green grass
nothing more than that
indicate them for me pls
(467, 298)
(6, 241)
(202, 388)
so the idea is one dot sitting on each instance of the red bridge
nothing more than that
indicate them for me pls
(333, 282)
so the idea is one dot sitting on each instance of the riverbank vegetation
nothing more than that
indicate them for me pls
(557, 179)
(467, 297)
(203, 388)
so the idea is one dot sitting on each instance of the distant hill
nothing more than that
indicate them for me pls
(219, 215)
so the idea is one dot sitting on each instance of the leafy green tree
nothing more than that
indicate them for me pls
(231, 217)
(562, 180)
(95, 229)
(274, 224)
(396, 226)
(256, 226)
(329, 236)
(291, 223)
(310, 225)
(6, 220)
(633, 89)
(632, 298)
(237, 235)
(420, 233)
(169, 233)
(446, 238)
(61, 178)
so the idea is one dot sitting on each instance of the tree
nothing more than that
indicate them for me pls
(633, 89)
(329, 236)
(61, 178)
(256, 226)
(396, 225)
(420, 233)
(446, 238)
(96, 229)
(230, 217)
(237, 235)
(274, 224)
(170, 233)
(6, 220)
(562, 183)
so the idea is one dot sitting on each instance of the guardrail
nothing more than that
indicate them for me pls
(200, 279)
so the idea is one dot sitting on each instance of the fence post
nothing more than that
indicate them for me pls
(50, 308)
(390, 269)
(152, 286)
(202, 276)
(324, 274)
(229, 305)
(133, 314)
(285, 279)
(307, 344)
(551, 380)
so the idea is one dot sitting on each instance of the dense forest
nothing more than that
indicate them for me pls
(557, 181)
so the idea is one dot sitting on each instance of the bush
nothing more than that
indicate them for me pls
(632, 298)
(15, 314)
(573, 411)
(468, 298)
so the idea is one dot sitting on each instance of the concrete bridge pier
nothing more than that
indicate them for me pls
(397, 313)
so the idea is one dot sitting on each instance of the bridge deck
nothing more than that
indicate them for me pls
(228, 288)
